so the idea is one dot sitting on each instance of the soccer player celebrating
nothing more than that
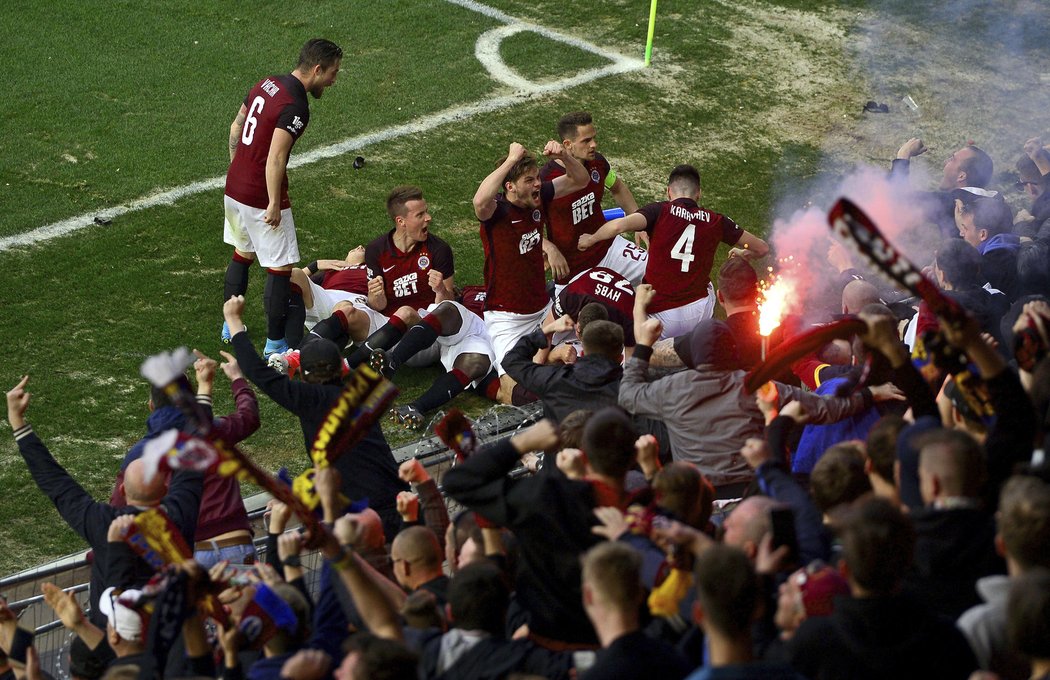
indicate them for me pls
(683, 240)
(512, 237)
(259, 220)
(580, 212)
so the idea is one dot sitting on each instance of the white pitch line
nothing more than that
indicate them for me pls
(486, 50)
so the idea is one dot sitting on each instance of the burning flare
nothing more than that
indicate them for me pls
(773, 304)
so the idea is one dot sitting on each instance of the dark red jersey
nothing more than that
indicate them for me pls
(683, 240)
(351, 280)
(406, 276)
(473, 298)
(578, 213)
(275, 102)
(608, 289)
(512, 239)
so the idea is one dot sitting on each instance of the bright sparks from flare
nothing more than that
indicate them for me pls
(773, 304)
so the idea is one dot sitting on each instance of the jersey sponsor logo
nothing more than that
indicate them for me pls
(406, 285)
(582, 208)
(595, 177)
(528, 241)
(423, 261)
(701, 215)
(536, 215)
(297, 123)
(271, 88)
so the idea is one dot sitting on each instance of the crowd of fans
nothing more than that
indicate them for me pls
(880, 509)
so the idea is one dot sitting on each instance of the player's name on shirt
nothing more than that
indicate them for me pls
(700, 214)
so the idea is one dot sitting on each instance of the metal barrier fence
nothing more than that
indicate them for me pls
(72, 573)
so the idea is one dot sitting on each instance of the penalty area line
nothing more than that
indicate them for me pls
(487, 53)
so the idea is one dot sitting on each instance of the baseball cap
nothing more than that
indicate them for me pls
(711, 342)
(320, 355)
(125, 620)
(819, 584)
(970, 195)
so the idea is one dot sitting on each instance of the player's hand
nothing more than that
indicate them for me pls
(375, 286)
(911, 148)
(648, 332)
(232, 310)
(118, 528)
(408, 506)
(17, 403)
(586, 241)
(230, 367)
(744, 253)
(560, 325)
(204, 367)
(516, 152)
(554, 149)
(436, 280)
(413, 471)
(564, 353)
(641, 239)
(332, 265)
(272, 216)
(559, 265)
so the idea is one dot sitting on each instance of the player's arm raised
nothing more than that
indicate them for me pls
(276, 165)
(575, 176)
(633, 222)
(236, 128)
(485, 196)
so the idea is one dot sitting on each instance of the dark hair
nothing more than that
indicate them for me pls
(737, 280)
(604, 338)
(319, 51)
(990, 214)
(681, 488)
(1024, 521)
(592, 311)
(381, 659)
(608, 441)
(1028, 170)
(421, 610)
(84, 663)
(478, 598)
(1028, 614)
(838, 477)
(159, 397)
(524, 165)
(881, 446)
(727, 589)
(613, 569)
(960, 263)
(568, 124)
(399, 196)
(570, 430)
(962, 465)
(685, 179)
(1033, 269)
(878, 544)
(978, 167)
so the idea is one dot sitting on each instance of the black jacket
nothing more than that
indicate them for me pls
(879, 638)
(91, 519)
(368, 471)
(593, 382)
(551, 516)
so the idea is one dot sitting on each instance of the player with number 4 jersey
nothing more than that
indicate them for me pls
(683, 239)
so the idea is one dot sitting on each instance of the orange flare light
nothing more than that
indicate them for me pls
(772, 306)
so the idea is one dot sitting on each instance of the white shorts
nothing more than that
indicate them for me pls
(245, 230)
(506, 328)
(681, 320)
(325, 301)
(626, 259)
(472, 338)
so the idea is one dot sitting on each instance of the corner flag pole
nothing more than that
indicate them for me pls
(652, 28)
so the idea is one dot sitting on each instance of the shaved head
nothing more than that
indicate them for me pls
(857, 294)
(417, 545)
(137, 490)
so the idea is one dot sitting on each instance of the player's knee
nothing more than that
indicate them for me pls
(448, 314)
(476, 366)
(408, 315)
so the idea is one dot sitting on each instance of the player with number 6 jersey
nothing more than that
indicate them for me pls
(259, 222)
(683, 239)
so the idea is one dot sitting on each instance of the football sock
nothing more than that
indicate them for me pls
(521, 396)
(236, 282)
(443, 390)
(335, 328)
(275, 297)
(384, 338)
(296, 318)
(489, 385)
(417, 339)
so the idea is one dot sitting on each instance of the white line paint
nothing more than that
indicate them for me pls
(487, 52)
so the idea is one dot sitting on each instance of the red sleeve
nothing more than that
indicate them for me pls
(808, 370)
(651, 213)
(244, 421)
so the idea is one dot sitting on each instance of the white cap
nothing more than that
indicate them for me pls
(125, 620)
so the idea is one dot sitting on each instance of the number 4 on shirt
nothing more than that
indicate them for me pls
(683, 247)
